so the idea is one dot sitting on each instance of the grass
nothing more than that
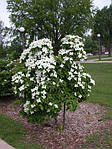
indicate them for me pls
(101, 140)
(96, 56)
(102, 74)
(102, 94)
(108, 115)
(107, 59)
(13, 133)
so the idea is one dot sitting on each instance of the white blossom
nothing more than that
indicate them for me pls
(38, 100)
(80, 96)
(50, 104)
(56, 106)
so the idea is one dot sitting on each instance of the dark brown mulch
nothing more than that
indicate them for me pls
(79, 124)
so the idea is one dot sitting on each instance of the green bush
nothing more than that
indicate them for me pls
(6, 67)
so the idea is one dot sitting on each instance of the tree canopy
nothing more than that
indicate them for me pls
(90, 45)
(103, 26)
(2, 51)
(1, 30)
(51, 19)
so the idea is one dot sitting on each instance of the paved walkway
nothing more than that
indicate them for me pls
(4, 145)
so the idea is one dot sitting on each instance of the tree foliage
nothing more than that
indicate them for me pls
(90, 45)
(1, 30)
(51, 19)
(103, 26)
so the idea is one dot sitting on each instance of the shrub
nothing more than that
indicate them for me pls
(5, 77)
(48, 81)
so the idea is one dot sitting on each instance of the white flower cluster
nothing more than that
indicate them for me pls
(71, 52)
(17, 78)
(31, 108)
(19, 81)
(40, 63)
(43, 44)
(73, 47)
(40, 55)
(26, 106)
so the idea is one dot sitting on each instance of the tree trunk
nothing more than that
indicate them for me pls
(56, 46)
(55, 121)
(55, 51)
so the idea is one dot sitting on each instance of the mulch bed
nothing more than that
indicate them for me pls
(79, 124)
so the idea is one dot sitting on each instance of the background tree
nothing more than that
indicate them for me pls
(6, 66)
(103, 26)
(4, 35)
(9, 43)
(90, 45)
(51, 19)
(1, 40)
(1, 29)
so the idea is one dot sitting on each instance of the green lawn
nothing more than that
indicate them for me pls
(102, 92)
(96, 56)
(14, 133)
(107, 59)
(100, 140)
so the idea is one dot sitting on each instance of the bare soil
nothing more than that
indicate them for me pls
(86, 120)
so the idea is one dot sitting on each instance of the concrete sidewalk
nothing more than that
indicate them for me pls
(4, 145)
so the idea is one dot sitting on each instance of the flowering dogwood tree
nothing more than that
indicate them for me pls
(49, 81)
